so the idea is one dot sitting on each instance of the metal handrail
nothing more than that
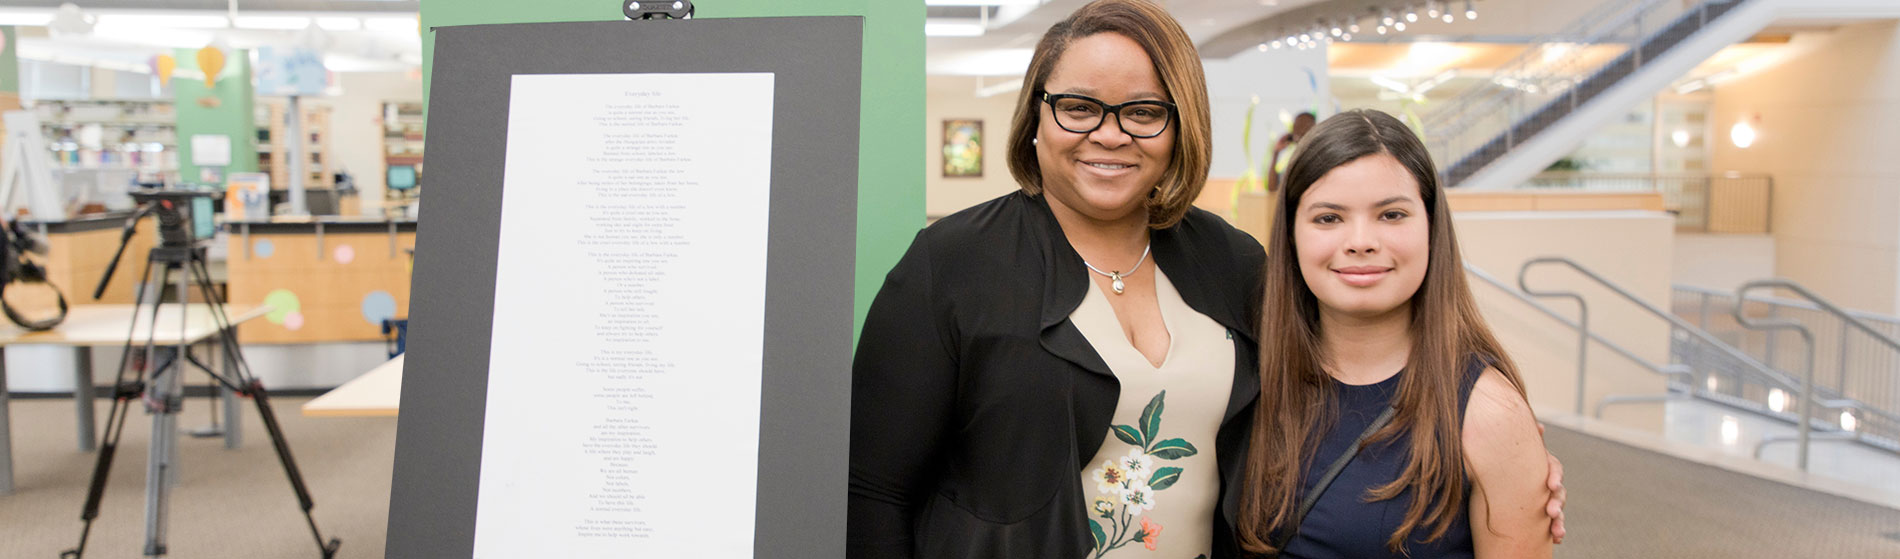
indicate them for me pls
(1785, 302)
(1805, 415)
(1777, 303)
(1583, 31)
(1460, 110)
(1805, 409)
(1583, 330)
(1756, 366)
(1669, 370)
(1847, 317)
(1689, 388)
(1673, 320)
(1544, 86)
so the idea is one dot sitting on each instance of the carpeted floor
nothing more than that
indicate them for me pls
(229, 504)
(1624, 502)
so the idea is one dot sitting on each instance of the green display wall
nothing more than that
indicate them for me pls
(10, 60)
(224, 109)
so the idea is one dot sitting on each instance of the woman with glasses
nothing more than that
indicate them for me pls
(1067, 371)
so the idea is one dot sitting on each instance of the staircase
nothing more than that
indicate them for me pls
(1541, 105)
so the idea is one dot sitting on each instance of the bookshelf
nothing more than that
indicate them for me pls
(402, 142)
(137, 134)
(272, 150)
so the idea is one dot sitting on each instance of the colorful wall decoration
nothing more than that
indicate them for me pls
(962, 147)
(336, 287)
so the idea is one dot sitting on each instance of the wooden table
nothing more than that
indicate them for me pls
(87, 326)
(376, 393)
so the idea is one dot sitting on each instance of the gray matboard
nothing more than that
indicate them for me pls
(805, 415)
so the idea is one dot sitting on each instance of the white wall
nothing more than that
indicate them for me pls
(1827, 124)
(1723, 261)
(1287, 82)
(954, 97)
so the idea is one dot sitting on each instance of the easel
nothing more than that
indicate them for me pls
(803, 394)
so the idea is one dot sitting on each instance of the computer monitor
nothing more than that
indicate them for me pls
(321, 201)
(402, 177)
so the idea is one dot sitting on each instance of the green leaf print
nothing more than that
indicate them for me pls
(1151, 418)
(1129, 435)
(1119, 530)
(1173, 449)
(1164, 478)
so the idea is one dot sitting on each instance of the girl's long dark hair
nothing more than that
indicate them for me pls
(1294, 409)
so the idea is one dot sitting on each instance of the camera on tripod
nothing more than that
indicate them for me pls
(174, 208)
(155, 377)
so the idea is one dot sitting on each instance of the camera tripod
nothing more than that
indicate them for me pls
(158, 382)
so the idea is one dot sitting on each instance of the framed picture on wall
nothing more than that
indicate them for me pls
(962, 147)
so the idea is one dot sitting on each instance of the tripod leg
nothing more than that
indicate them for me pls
(6, 432)
(259, 395)
(233, 435)
(122, 394)
(161, 476)
(82, 397)
(222, 394)
(162, 397)
(180, 355)
(228, 356)
(102, 466)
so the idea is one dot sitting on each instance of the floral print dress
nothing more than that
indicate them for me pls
(1153, 485)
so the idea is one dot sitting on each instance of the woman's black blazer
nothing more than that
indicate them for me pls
(975, 400)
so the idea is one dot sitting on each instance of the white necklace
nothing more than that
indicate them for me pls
(1115, 278)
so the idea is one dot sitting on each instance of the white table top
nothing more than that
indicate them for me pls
(376, 393)
(92, 325)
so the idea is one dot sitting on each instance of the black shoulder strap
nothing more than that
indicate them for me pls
(1332, 471)
(29, 273)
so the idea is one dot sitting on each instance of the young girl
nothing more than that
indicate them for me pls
(1390, 422)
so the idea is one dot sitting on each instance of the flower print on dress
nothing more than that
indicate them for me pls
(1130, 483)
(1150, 533)
(1137, 463)
(1138, 496)
(1110, 478)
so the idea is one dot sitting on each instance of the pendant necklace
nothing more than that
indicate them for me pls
(1115, 278)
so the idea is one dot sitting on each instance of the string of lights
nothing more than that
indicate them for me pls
(1382, 20)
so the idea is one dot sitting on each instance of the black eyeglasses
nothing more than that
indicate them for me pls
(1082, 114)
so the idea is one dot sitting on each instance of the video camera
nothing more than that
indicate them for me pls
(173, 207)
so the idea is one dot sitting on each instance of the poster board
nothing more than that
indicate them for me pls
(502, 95)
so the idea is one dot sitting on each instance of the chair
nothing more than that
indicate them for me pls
(395, 336)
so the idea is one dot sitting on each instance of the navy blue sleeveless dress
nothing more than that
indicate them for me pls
(1343, 524)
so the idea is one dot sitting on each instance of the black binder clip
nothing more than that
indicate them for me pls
(657, 9)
